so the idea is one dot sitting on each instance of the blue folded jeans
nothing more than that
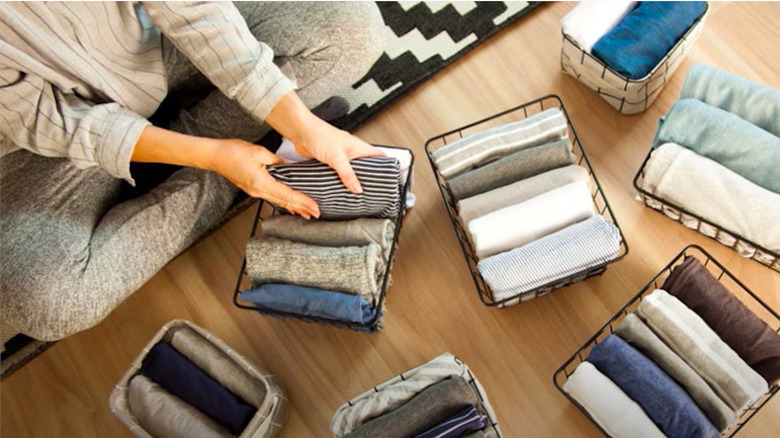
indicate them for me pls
(308, 301)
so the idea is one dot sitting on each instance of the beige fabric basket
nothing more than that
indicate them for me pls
(629, 96)
(265, 424)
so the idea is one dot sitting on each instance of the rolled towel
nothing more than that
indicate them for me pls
(380, 178)
(467, 420)
(519, 165)
(479, 148)
(646, 35)
(218, 365)
(589, 21)
(311, 302)
(566, 252)
(750, 337)
(608, 405)
(757, 103)
(349, 269)
(668, 405)
(714, 193)
(724, 137)
(519, 191)
(632, 330)
(519, 224)
(693, 340)
(162, 414)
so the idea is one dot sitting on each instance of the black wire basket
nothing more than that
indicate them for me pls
(743, 246)
(266, 209)
(600, 202)
(736, 287)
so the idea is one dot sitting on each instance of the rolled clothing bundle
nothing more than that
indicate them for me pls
(750, 337)
(725, 138)
(715, 193)
(668, 405)
(693, 340)
(757, 103)
(585, 244)
(632, 330)
(608, 405)
(645, 35)
(482, 147)
(349, 269)
(311, 302)
(426, 409)
(519, 224)
(380, 178)
(589, 21)
(467, 420)
(519, 165)
(519, 191)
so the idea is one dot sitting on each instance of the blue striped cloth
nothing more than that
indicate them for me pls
(465, 421)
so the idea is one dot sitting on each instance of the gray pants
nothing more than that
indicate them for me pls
(72, 249)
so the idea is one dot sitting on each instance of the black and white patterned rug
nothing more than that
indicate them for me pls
(422, 38)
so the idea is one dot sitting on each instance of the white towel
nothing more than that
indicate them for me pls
(610, 407)
(516, 225)
(591, 20)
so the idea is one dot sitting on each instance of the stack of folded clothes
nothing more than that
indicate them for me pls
(716, 155)
(526, 204)
(438, 399)
(187, 387)
(630, 37)
(333, 267)
(688, 362)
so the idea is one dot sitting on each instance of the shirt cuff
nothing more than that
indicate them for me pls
(119, 134)
(259, 92)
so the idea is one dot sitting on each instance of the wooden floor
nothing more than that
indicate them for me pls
(432, 307)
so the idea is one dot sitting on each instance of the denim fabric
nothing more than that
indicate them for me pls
(723, 137)
(311, 302)
(754, 102)
(668, 405)
(174, 373)
(465, 421)
(642, 39)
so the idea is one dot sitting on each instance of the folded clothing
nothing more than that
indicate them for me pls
(380, 178)
(645, 35)
(757, 103)
(608, 405)
(519, 165)
(162, 414)
(519, 224)
(714, 193)
(571, 250)
(429, 407)
(467, 420)
(176, 374)
(750, 337)
(307, 301)
(349, 269)
(724, 137)
(481, 147)
(218, 365)
(668, 405)
(589, 21)
(693, 340)
(632, 330)
(519, 191)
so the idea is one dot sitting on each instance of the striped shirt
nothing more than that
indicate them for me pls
(78, 80)
(466, 421)
(379, 176)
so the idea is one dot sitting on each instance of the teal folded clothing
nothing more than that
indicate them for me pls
(645, 35)
(757, 103)
(724, 137)
(311, 302)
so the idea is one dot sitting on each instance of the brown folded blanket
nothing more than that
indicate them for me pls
(750, 337)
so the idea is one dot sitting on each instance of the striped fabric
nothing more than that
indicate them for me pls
(477, 149)
(379, 176)
(465, 421)
(563, 253)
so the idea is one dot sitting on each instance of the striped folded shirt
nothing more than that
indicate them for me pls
(380, 178)
(466, 421)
